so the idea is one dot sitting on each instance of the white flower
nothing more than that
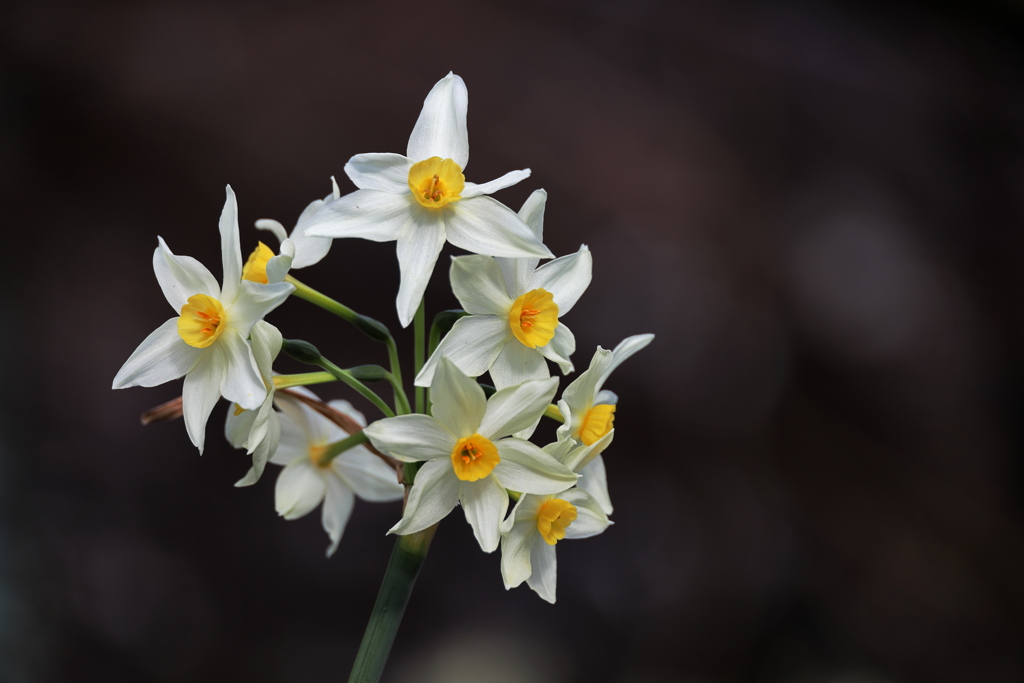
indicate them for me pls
(298, 250)
(515, 311)
(258, 431)
(422, 199)
(206, 342)
(468, 461)
(304, 482)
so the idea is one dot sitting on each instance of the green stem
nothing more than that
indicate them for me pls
(406, 560)
(338, 447)
(401, 400)
(419, 327)
(346, 377)
(288, 381)
(323, 301)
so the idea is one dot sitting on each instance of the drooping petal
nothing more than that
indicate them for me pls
(590, 519)
(419, 244)
(262, 453)
(440, 130)
(338, 504)
(626, 348)
(370, 214)
(300, 488)
(311, 427)
(309, 250)
(266, 344)
(517, 407)
(507, 180)
(479, 286)
(485, 226)
(473, 344)
(519, 271)
(545, 569)
(230, 249)
(161, 357)
(385, 172)
(431, 498)
(594, 480)
(180, 277)
(368, 475)
(526, 468)
(560, 348)
(278, 266)
(582, 456)
(515, 552)
(459, 402)
(294, 442)
(275, 227)
(516, 363)
(254, 301)
(485, 503)
(240, 381)
(566, 278)
(412, 437)
(199, 395)
(238, 425)
(343, 406)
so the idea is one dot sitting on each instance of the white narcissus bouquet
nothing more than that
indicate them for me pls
(460, 441)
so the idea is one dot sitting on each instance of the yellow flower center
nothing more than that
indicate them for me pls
(596, 423)
(534, 317)
(436, 181)
(255, 268)
(201, 321)
(315, 452)
(553, 518)
(474, 457)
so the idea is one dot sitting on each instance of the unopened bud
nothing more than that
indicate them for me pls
(368, 373)
(371, 328)
(446, 319)
(302, 351)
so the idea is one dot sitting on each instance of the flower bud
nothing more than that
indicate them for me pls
(302, 351)
(371, 328)
(368, 373)
(445, 319)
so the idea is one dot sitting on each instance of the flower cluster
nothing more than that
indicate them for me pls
(464, 442)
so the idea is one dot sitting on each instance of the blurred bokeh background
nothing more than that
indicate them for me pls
(816, 206)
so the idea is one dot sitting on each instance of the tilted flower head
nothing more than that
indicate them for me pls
(258, 431)
(207, 341)
(515, 311)
(468, 461)
(298, 250)
(422, 199)
(304, 482)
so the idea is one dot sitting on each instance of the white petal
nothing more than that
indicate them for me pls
(514, 408)
(485, 503)
(199, 395)
(273, 226)
(582, 456)
(472, 345)
(526, 468)
(566, 278)
(266, 344)
(545, 569)
(343, 406)
(411, 437)
(479, 286)
(311, 425)
(518, 272)
(181, 277)
(230, 249)
(385, 172)
(300, 488)
(240, 382)
(432, 496)
(605, 397)
(590, 519)
(579, 395)
(161, 357)
(370, 214)
(368, 476)
(266, 448)
(626, 348)
(278, 266)
(254, 301)
(485, 226)
(515, 553)
(309, 250)
(237, 426)
(507, 180)
(419, 244)
(594, 481)
(338, 503)
(565, 430)
(440, 130)
(560, 348)
(517, 363)
(459, 402)
(293, 442)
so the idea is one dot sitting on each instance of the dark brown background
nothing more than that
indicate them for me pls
(817, 207)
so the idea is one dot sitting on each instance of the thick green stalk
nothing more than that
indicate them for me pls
(338, 447)
(301, 380)
(346, 377)
(406, 560)
(419, 328)
(401, 400)
(323, 301)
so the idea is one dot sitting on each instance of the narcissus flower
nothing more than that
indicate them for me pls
(258, 431)
(305, 482)
(467, 458)
(207, 341)
(515, 311)
(422, 199)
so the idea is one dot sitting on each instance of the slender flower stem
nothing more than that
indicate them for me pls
(406, 560)
(419, 327)
(287, 381)
(401, 400)
(346, 377)
(322, 300)
(338, 447)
